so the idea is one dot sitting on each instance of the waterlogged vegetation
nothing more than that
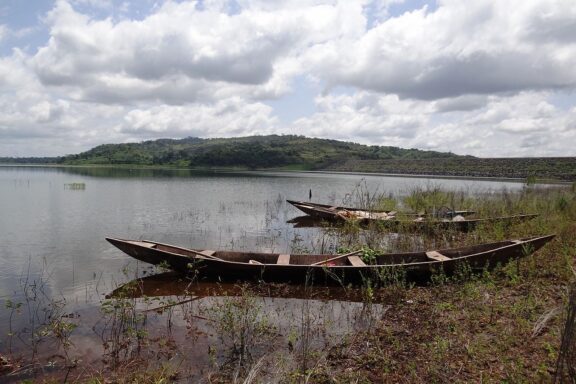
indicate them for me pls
(514, 324)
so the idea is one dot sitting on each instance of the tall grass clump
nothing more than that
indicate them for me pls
(361, 197)
(433, 199)
(39, 325)
(304, 352)
(243, 328)
(566, 363)
(123, 327)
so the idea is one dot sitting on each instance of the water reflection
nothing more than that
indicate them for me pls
(149, 318)
(174, 284)
(210, 315)
(127, 172)
(311, 222)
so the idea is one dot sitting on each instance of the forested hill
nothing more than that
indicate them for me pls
(273, 151)
(301, 153)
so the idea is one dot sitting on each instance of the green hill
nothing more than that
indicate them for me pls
(292, 152)
(289, 151)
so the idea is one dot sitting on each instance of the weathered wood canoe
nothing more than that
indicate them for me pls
(230, 265)
(330, 212)
(390, 221)
(417, 225)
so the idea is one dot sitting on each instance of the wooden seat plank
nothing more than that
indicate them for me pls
(283, 259)
(356, 261)
(435, 255)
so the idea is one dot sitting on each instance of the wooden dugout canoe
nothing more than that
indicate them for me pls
(420, 223)
(230, 265)
(327, 211)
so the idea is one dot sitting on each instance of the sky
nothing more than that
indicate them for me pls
(475, 77)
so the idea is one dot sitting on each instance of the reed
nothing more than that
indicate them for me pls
(75, 186)
(566, 362)
(38, 324)
(243, 329)
(122, 328)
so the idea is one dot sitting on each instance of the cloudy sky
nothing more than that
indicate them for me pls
(482, 77)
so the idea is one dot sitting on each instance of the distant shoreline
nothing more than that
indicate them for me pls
(420, 176)
(300, 153)
(287, 171)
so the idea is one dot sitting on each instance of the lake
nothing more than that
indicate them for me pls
(55, 220)
(47, 225)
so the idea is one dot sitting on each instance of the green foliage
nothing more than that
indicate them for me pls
(368, 255)
(433, 199)
(393, 276)
(439, 277)
(12, 305)
(530, 180)
(421, 199)
(562, 203)
(387, 203)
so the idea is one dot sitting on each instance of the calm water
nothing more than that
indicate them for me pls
(46, 227)
(54, 234)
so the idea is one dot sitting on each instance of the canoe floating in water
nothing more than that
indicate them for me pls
(234, 266)
(327, 211)
(419, 223)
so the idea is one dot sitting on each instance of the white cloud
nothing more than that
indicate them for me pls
(461, 103)
(232, 117)
(180, 54)
(462, 48)
(522, 125)
(102, 4)
(475, 77)
(364, 117)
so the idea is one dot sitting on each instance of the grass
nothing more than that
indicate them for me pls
(513, 324)
(497, 327)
